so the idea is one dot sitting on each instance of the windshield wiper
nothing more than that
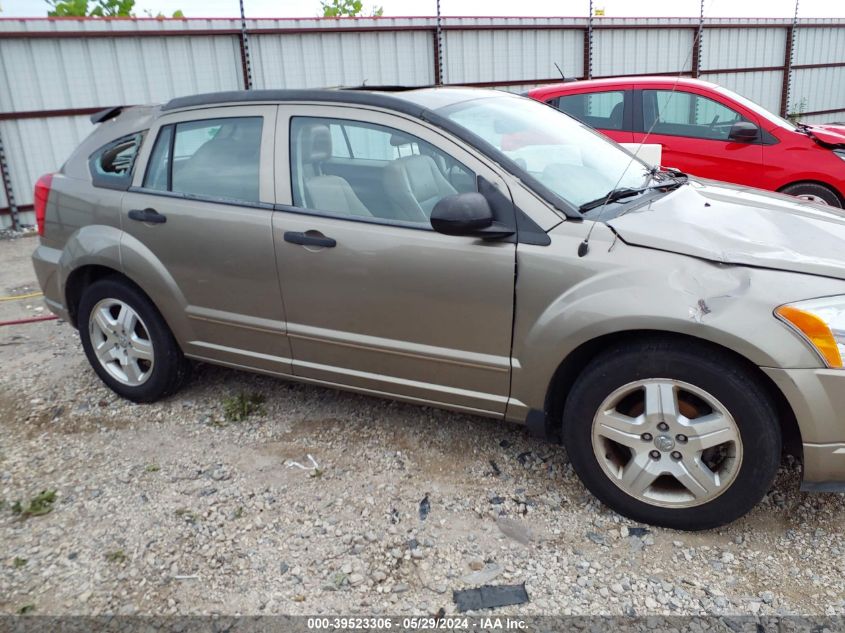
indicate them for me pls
(627, 192)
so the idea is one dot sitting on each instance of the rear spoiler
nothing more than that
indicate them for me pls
(105, 115)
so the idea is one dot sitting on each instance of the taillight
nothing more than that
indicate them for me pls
(39, 200)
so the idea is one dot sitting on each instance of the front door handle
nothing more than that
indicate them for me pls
(148, 215)
(309, 239)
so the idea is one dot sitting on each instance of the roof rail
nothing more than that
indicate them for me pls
(105, 114)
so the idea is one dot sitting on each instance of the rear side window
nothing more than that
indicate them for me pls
(214, 158)
(601, 110)
(111, 165)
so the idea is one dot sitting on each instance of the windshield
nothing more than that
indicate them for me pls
(757, 108)
(574, 162)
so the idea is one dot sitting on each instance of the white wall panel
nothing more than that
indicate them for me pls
(743, 48)
(763, 88)
(817, 88)
(490, 56)
(342, 59)
(819, 45)
(641, 51)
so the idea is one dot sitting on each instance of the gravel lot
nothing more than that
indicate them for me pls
(171, 509)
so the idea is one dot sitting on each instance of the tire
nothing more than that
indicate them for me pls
(141, 360)
(815, 192)
(699, 381)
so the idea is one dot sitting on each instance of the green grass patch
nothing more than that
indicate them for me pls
(39, 505)
(238, 408)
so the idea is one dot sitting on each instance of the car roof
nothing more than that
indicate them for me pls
(652, 80)
(411, 101)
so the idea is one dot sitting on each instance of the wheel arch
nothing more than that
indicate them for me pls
(820, 183)
(570, 368)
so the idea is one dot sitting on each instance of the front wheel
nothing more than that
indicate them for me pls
(814, 193)
(672, 433)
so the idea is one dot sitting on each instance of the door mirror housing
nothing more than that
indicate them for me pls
(744, 132)
(467, 214)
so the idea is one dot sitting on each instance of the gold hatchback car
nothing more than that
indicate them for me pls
(467, 249)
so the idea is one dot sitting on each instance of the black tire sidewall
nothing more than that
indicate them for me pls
(811, 189)
(731, 385)
(165, 373)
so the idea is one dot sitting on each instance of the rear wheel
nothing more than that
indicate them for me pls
(128, 343)
(675, 436)
(814, 193)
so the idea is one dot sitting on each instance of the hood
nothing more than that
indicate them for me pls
(738, 225)
(827, 134)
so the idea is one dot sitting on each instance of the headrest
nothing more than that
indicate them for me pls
(316, 142)
(398, 140)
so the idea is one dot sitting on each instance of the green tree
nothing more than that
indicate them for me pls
(96, 9)
(347, 8)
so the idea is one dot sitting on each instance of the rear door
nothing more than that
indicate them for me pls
(693, 131)
(201, 210)
(609, 111)
(375, 298)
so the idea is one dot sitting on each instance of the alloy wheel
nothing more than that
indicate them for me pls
(121, 342)
(667, 443)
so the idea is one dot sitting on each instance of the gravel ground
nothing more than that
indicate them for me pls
(172, 509)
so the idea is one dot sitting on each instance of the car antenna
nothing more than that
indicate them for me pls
(562, 76)
(584, 247)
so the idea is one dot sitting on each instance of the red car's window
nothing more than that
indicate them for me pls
(687, 114)
(601, 110)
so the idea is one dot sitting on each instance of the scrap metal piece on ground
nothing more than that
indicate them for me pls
(490, 597)
(425, 508)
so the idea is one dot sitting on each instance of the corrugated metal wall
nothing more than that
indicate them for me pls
(53, 73)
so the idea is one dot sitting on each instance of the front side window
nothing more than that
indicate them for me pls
(687, 114)
(574, 162)
(214, 158)
(111, 165)
(601, 110)
(368, 171)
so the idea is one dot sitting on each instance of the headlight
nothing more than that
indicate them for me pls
(822, 323)
(840, 153)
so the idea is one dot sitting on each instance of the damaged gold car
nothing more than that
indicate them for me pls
(465, 249)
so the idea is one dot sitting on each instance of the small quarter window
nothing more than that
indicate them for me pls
(111, 165)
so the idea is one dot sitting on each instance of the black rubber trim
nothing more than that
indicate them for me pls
(388, 102)
(105, 114)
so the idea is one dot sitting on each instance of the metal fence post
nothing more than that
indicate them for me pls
(697, 43)
(438, 60)
(245, 61)
(789, 57)
(588, 46)
(7, 187)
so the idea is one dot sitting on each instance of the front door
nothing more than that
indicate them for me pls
(202, 208)
(375, 299)
(693, 132)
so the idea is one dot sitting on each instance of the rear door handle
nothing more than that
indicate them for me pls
(148, 215)
(305, 239)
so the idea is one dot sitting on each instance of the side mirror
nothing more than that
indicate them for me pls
(744, 132)
(467, 214)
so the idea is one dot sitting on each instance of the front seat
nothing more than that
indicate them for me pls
(322, 191)
(616, 116)
(414, 185)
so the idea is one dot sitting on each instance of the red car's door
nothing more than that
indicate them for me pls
(693, 130)
(609, 111)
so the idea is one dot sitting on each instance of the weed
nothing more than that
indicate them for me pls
(239, 512)
(152, 468)
(40, 504)
(188, 515)
(19, 562)
(27, 608)
(239, 408)
(117, 556)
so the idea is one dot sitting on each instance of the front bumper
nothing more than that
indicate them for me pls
(45, 260)
(817, 397)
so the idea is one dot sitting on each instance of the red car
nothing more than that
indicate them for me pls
(711, 132)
